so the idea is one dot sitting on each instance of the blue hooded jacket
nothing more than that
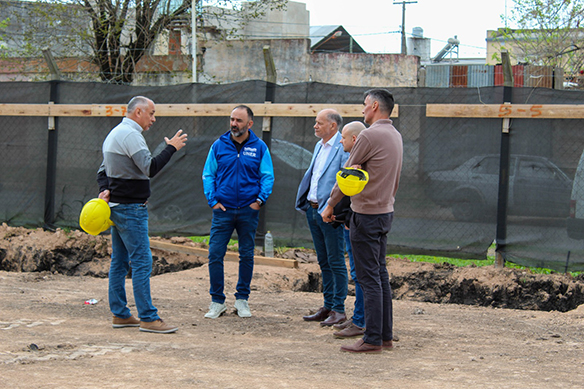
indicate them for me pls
(238, 179)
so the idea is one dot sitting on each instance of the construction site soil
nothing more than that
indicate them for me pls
(455, 326)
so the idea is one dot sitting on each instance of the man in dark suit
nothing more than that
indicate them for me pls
(314, 190)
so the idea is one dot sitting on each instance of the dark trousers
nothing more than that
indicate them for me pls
(369, 241)
(330, 252)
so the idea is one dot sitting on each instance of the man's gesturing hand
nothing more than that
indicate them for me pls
(178, 140)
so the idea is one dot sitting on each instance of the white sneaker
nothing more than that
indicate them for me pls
(215, 310)
(242, 308)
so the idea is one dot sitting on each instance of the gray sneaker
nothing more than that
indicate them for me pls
(242, 308)
(215, 310)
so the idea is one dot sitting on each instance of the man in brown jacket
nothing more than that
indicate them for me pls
(378, 150)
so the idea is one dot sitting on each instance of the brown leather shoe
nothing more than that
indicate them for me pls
(387, 345)
(333, 318)
(321, 314)
(343, 325)
(131, 321)
(350, 332)
(361, 347)
(157, 326)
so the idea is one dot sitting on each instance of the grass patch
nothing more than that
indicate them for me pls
(205, 239)
(475, 262)
(453, 261)
(420, 258)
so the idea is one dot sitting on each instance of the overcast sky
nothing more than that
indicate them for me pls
(376, 24)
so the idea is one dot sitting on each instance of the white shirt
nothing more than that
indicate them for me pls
(318, 168)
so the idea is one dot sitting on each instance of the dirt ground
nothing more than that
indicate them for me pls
(456, 328)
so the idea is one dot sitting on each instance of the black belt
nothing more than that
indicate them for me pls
(313, 204)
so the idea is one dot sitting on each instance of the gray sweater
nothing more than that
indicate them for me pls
(128, 165)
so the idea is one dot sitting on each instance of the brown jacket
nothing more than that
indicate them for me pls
(379, 151)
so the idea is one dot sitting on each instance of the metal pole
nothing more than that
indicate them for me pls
(271, 77)
(52, 143)
(51, 174)
(404, 49)
(194, 41)
(504, 162)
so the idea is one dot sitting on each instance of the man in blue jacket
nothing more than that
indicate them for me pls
(237, 179)
(314, 190)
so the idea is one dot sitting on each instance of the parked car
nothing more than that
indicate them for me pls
(575, 222)
(537, 187)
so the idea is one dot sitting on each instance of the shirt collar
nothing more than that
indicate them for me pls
(132, 124)
(330, 142)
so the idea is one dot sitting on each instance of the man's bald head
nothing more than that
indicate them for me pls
(350, 133)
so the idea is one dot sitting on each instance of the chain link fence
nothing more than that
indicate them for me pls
(448, 197)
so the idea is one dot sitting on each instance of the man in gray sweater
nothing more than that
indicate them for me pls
(378, 150)
(124, 182)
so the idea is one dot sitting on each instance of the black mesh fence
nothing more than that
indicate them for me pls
(448, 196)
(23, 147)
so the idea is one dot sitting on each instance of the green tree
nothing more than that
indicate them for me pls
(547, 33)
(116, 34)
(3, 25)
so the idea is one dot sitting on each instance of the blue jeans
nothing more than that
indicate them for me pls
(245, 222)
(131, 246)
(329, 246)
(359, 310)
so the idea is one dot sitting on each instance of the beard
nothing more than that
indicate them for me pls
(236, 132)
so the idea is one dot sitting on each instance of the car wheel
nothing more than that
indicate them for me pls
(469, 207)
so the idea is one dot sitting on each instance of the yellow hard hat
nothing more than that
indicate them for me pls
(95, 216)
(352, 181)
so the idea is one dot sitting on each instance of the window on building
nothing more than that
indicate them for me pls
(174, 42)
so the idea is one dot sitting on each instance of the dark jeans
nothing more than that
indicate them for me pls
(369, 242)
(245, 221)
(359, 310)
(330, 252)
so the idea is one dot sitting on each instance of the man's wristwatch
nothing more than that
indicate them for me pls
(260, 202)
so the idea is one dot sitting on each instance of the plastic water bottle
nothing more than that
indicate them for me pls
(269, 245)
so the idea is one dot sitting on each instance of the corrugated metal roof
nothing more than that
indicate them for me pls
(317, 33)
(458, 76)
(438, 76)
(473, 76)
(480, 75)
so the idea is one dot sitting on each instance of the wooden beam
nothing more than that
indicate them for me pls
(180, 110)
(519, 111)
(229, 256)
(24, 110)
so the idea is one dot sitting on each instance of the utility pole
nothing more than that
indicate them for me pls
(194, 48)
(404, 49)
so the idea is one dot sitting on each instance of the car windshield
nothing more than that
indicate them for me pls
(490, 165)
(536, 170)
